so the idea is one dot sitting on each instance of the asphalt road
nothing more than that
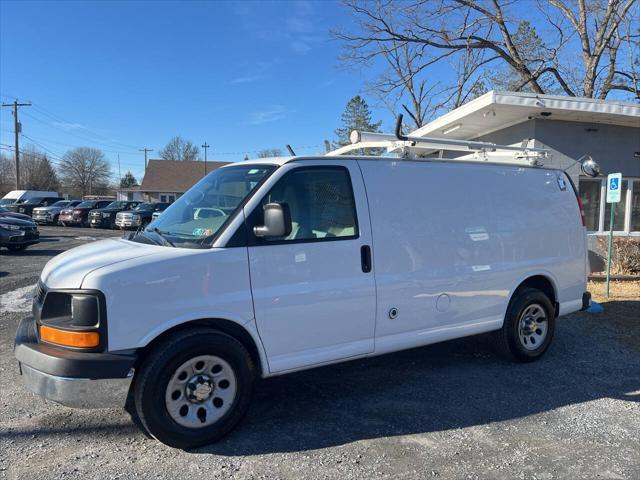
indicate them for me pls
(453, 410)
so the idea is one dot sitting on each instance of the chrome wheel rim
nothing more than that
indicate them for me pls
(532, 327)
(201, 391)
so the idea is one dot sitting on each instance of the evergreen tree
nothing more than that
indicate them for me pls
(356, 116)
(128, 180)
(534, 54)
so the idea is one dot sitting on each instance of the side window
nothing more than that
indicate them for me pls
(321, 203)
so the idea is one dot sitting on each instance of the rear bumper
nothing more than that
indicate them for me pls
(71, 378)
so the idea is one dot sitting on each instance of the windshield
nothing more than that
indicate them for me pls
(116, 205)
(61, 203)
(144, 206)
(87, 204)
(33, 200)
(194, 219)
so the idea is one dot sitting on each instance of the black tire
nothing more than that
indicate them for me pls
(17, 248)
(508, 337)
(160, 366)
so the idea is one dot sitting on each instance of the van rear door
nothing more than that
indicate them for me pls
(314, 291)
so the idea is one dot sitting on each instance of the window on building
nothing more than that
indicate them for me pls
(635, 207)
(590, 195)
(163, 198)
(619, 210)
(172, 198)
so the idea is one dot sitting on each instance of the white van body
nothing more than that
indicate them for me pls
(450, 243)
(21, 196)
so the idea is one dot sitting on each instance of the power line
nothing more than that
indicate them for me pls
(81, 137)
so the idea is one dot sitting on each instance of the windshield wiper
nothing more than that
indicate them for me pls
(162, 234)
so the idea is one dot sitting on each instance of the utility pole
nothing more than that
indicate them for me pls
(205, 146)
(119, 173)
(17, 128)
(145, 150)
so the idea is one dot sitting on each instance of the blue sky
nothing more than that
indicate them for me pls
(123, 75)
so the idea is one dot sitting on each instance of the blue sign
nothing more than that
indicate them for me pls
(614, 184)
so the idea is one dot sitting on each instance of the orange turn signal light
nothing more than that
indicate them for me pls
(69, 338)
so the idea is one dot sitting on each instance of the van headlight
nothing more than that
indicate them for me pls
(73, 320)
(106, 215)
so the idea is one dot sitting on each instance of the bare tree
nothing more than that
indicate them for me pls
(36, 170)
(179, 149)
(478, 39)
(7, 174)
(270, 152)
(85, 170)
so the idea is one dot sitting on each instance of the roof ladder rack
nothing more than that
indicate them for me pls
(408, 146)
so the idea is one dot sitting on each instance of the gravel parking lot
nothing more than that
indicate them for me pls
(453, 410)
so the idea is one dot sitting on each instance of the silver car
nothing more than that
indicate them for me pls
(49, 215)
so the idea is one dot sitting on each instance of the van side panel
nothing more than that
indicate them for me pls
(452, 241)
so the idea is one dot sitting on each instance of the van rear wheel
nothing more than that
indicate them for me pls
(528, 325)
(194, 388)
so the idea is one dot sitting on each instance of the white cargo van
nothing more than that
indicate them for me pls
(318, 260)
(21, 196)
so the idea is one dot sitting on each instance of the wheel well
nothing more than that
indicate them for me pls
(226, 326)
(542, 283)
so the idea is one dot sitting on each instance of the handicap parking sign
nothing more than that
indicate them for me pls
(614, 181)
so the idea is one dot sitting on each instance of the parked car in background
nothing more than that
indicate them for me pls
(106, 217)
(21, 196)
(17, 234)
(139, 216)
(79, 215)
(27, 206)
(7, 213)
(50, 215)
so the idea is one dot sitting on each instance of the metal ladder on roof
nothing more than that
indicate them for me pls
(431, 148)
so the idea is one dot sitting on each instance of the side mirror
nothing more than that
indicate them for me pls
(277, 221)
(589, 166)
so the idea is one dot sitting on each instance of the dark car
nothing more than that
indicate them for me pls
(16, 234)
(27, 206)
(139, 216)
(79, 215)
(6, 213)
(106, 217)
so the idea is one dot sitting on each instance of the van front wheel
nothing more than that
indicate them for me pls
(528, 325)
(194, 388)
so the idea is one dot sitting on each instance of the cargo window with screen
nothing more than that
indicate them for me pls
(320, 201)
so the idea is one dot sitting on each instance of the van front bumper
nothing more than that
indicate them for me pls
(72, 378)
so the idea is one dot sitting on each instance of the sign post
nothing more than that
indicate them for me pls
(614, 187)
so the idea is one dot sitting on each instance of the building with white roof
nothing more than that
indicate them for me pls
(569, 127)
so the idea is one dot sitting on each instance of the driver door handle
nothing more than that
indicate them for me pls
(365, 258)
